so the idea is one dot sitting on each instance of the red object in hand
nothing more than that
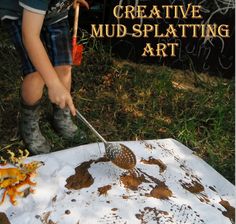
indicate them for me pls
(77, 49)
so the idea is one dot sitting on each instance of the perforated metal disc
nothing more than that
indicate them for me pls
(120, 155)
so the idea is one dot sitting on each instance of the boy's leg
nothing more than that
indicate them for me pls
(32, 88)
(62, 120)
(31, 93)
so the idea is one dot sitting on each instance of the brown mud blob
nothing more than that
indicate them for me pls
(153, 161)
(82, 178)
(104, 190)
(161, 192)
(4, 219)
(230, 210)
(194, 187)
(131, 180)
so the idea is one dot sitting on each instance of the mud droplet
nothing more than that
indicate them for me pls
(54, 199)
(193, 187)
(104, 190)
(114, 209)
(212, 188)
(82, 178)
(153, 161)
(161, 192)
(149, 146)
(230, 210)
(125, 196)
(67, 212)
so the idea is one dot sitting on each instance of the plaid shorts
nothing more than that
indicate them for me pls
(55, 37)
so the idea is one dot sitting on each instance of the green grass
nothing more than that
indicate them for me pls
(128, 101)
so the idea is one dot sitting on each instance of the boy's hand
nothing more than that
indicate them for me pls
(59, 95)
(82, 2)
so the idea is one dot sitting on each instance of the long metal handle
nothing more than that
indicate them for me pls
(76, 20)
(83, 119)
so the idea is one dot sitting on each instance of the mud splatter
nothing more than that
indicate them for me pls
(4, 219)
(114, 209)
(125, 197)
(194, 187)
(67, 212)
(212, 188)
(230, 210)
(132, 180)
(104, 190)
(149, 146)
(102, 160)
(185, 214)
(153, 215)
(161, 192)
(82, 178)
(153, 161)
(153, 179)
(45, 218)
(204, 198)
(54, 199)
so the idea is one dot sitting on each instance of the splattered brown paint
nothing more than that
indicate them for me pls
(102, 160)
(67, 212)
(149, 146)
(45, 218)
(153, 161)
(161, 192)
(4, 219)
(153, 214)
(104, 190)
(212, 188)
(204, 198)
(193, 187)
(125, 197)
(132, 180)
(230, 211)
(82, 178)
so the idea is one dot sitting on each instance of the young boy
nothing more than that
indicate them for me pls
(40, 32)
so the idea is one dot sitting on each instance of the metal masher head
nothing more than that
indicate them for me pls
(120, 155)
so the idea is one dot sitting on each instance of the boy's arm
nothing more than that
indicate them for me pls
(31, 28)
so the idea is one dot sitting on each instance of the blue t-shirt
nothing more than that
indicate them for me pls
(54, 10)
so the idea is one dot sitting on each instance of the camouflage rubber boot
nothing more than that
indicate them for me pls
(30, 130)
(64, 126)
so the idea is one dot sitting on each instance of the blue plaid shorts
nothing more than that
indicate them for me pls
(55, 37)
